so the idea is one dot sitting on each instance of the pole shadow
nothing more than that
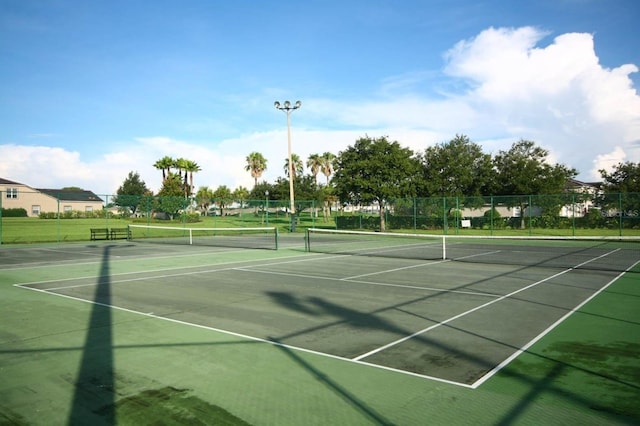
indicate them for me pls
(94, 392)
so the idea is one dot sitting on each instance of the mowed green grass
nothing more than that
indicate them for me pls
(36, 230)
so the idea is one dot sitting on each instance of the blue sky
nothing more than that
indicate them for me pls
(90, 90)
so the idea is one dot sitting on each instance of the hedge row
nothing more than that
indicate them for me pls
(19, 212)
(539, 222)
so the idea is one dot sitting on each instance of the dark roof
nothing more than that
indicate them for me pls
(576, 183)
(4, 181)
(71, 195)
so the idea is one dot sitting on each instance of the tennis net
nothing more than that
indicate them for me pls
(250, 238)
(599, 253)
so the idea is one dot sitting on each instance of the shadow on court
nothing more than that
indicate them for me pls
(537, 387)
(95, 383)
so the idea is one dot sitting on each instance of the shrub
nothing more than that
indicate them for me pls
(18, 212)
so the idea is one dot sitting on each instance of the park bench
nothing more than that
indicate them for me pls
(99, 234)
(119, 233)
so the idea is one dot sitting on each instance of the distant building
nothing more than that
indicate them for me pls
(582, 205)
(36, 200)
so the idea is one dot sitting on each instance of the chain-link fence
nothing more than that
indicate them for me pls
(28, 216)
(561, 214)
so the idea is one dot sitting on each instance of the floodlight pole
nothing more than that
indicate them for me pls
(287, 108)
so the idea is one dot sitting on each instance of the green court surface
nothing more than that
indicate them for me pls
(130, 332)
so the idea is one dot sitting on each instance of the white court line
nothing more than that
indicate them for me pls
(252, 338)
(484, 305)
(66, 263)
(217, 269)
(434, 289)
(422, 264)
(357, 360)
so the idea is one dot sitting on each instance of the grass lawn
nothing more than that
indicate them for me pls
(35, 230)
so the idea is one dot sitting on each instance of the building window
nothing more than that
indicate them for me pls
(35, 210)
(67, 208)
(88, 209)
(12, 192)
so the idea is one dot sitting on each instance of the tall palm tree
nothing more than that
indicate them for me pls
(327, 164)
(164, 164)
(314, 163)
(298, 165)
(181, 164)
(190, 167)
(256, 164)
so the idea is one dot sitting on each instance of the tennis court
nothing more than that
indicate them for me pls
(328, 327)
(457, 319)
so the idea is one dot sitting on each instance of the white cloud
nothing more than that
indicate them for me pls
(608, 161)
(557, 95)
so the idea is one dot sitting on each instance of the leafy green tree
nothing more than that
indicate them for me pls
(130, 193)
(524, 171)
(375, 170)
(171, 197)
(256, 165)
(622, 188)
(257, 195)
(223, 197)
(456, 168)
(625, 177)
(304, 187)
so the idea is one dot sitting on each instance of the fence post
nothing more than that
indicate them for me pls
(415, 212)
(573, 208)
(445, 224)
(58, 219)
(457, 219)
(530, 209)
(491, 217)
(0, 217)
(106, 210)
(620, 213)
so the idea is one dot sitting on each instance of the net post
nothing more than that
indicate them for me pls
(444, 247)
(275, 229)
(306, 241)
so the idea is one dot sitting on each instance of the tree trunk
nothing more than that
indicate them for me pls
(383, 226)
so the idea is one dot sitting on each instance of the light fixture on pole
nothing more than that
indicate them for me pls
(287, 108)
